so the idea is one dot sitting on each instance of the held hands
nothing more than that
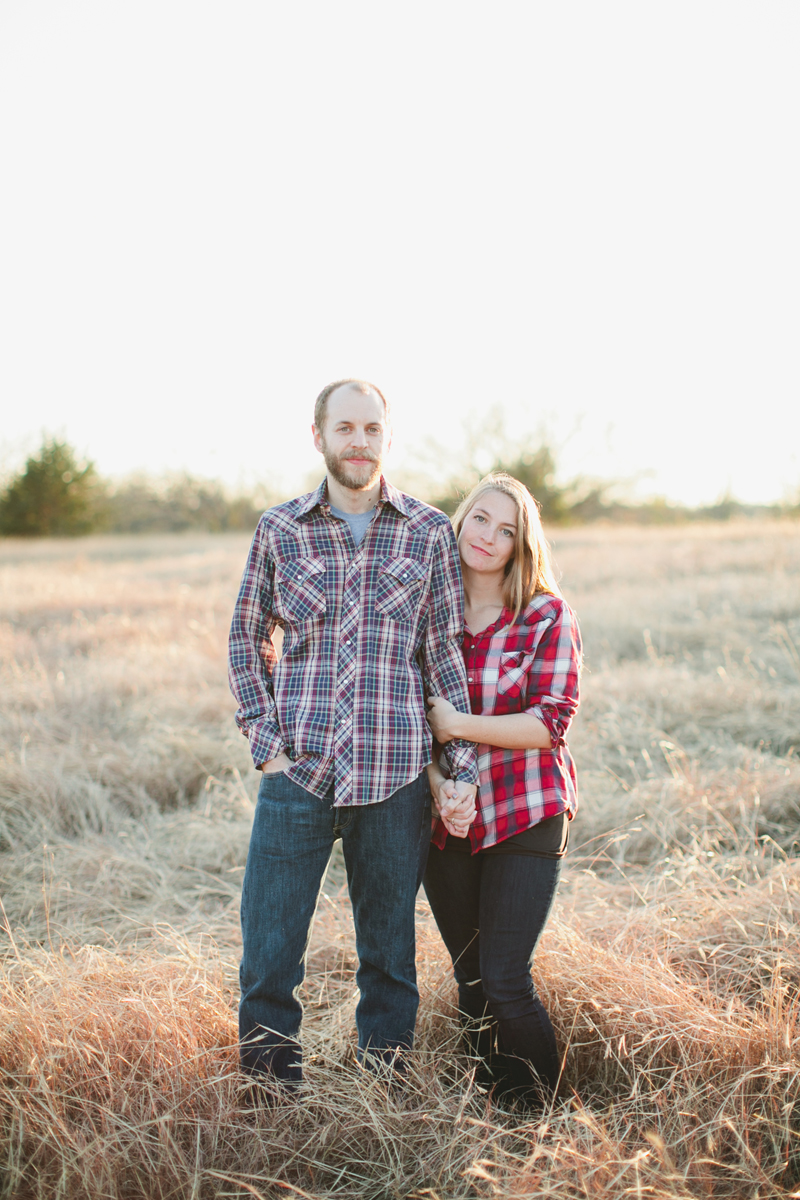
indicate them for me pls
(454, 798)
(443, 719)
(455, 802)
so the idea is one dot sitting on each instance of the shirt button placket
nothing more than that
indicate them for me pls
(345, 685)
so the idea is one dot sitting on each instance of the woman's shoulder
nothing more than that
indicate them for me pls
(546, 606)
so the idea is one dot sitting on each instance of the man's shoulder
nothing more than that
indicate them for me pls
(419, 511)
(283, 515)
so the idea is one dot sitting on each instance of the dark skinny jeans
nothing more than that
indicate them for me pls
(491, 910)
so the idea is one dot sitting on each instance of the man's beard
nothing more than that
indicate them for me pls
(346, 476)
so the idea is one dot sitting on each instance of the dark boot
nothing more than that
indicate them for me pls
(479, 1035)
(528, 1060)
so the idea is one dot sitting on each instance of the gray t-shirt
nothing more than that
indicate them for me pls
(358, 522)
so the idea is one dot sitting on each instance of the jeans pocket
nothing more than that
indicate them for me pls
(273, 784)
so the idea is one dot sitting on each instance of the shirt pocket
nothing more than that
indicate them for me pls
(513, 672)
(300, 590)
(400, 587)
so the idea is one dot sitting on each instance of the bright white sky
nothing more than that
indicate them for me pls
(584, 212)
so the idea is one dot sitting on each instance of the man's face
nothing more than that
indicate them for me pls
(354, 438)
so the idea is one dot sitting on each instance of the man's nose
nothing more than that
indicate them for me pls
(359, 437)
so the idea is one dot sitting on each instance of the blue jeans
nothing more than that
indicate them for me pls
(491, 910)
(385, 849)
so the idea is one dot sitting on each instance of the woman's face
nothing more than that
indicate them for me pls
(488, 534)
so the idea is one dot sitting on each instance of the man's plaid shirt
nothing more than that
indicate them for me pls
(369, 632)
(528, 664)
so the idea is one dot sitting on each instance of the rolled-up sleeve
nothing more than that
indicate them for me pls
(553, 689)
(445, 674)
(251, 655)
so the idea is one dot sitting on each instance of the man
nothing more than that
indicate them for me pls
(366, 585)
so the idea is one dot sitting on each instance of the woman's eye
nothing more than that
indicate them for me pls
(508, 533)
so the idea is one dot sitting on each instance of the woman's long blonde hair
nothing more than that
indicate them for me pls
(529, 571)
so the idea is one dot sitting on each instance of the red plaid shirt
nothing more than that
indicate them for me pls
(528, 664)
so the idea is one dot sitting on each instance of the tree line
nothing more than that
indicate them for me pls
(57, 494)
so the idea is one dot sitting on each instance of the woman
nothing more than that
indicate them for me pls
(491, 891)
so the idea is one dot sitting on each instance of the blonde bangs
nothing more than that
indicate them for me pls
(530, 570)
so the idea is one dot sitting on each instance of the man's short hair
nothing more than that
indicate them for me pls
(321, 405)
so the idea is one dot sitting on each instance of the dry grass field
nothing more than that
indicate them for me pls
(671, 967)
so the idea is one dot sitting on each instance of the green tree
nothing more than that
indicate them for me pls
(142, 504)
(532, 463)
(536, 468)
(56, 495)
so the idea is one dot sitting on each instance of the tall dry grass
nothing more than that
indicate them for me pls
(671, 967)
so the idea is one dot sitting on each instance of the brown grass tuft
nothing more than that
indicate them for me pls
(671, 967)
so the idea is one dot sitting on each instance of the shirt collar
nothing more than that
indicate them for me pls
(319, 499)
(506, 618)
(390, 495)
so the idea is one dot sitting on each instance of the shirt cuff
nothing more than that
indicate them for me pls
(266, 742)
(549, 717)
(439, 834)
(462, 760)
